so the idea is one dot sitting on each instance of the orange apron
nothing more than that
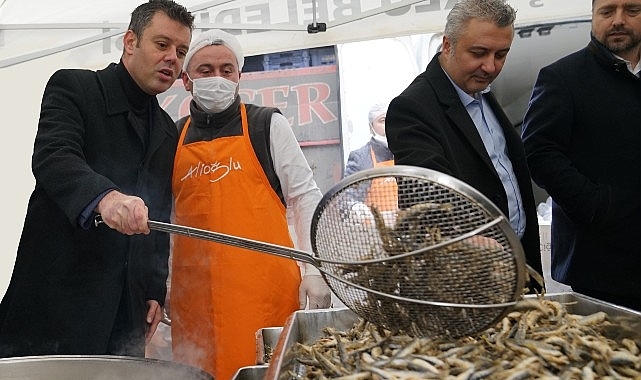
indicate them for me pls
(383, 192)
(221, 295)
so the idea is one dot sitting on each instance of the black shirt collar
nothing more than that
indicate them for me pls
(138, 99)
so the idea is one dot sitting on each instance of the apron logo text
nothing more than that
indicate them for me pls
(215, 170)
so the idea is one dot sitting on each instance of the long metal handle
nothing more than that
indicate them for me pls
(217, 237)
(235, 241)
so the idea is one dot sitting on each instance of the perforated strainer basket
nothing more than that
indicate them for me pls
(418, 251)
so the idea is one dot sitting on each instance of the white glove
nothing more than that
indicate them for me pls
(314, 289)
(361, 214)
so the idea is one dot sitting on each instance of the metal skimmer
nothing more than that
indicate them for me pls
(444, 262)
(409, 249)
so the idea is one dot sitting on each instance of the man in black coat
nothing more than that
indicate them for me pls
(582, 136)
(103, 147)
(448, 121)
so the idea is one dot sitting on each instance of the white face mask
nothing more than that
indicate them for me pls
(214, 94)
(381, 139)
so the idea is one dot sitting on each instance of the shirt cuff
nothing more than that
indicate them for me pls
(86, 217)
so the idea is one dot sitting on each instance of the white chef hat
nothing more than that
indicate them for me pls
(215, 37)
(377, 110)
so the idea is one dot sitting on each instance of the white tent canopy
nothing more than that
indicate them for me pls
(30, 29)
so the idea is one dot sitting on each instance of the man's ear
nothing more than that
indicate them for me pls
(129, 40)
(446, 46)
(186, 82)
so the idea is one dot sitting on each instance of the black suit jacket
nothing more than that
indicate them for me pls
(428, 126)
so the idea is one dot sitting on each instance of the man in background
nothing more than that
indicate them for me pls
(582, 136)
(375, 153)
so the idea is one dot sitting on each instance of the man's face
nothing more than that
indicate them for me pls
(155, 58)
(617, 25)
(378, 124)
(212, 61)
(479, 55)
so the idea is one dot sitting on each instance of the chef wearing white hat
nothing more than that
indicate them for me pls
(238, 170)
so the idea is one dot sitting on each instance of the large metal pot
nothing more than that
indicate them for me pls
(58, 367)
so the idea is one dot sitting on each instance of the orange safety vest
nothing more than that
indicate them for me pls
(221, 295)
(383, 192)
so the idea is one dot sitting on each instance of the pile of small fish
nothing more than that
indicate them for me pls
(422, 257)
(538, 339)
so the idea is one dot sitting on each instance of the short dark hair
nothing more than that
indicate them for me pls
(142, 15)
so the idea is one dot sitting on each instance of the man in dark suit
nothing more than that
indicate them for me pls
(448, 120)
(103, 146)
(582, 134)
